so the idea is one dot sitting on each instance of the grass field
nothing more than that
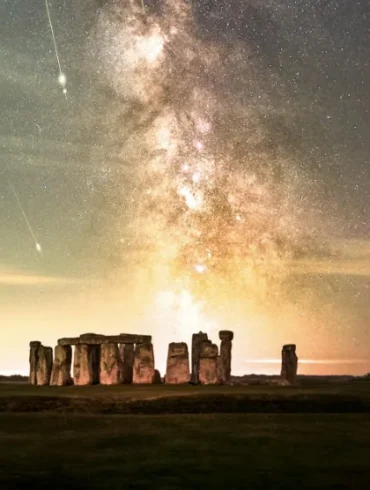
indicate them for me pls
(317, 397)
(234, 451)
(123, 437)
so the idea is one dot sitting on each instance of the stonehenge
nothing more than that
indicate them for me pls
(289, 363)
(208, 373)
(97, 339)
(61, 373)
(178, 371)
(129, 359)
(226, 337)
(127, 362)
(86, 364)
(34, 357)
(196, 340)
(144, 371)
(110, 364)
(44, 365)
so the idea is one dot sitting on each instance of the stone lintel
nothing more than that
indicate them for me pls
(226, 335)
(97, 339)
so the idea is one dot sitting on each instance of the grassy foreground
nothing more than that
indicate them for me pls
(233, 451)
(318, 397)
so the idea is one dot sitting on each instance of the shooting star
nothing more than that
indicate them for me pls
(62, 79)
(37, 244)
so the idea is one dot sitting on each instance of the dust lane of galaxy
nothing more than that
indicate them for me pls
(207, 168)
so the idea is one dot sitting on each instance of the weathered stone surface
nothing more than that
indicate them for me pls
(207, 349)
(110, 365)
(34, 346)
(178, 364)
(143, 372)
(289, 363)
(86, 364)
(61, 374)
(226, 337)
(97, 339)
(197, 339)
(208, 371)
(208, 363)
(127, 360)
(44, 365)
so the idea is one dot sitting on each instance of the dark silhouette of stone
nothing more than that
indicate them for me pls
(143, 372)
(127, 359)
(157, 377)
(289, 364)
(34, 357)
(61, 373)
(44, 365)
(86, 364)
(97, 339)
(178, 364)
(110, 365)
(208, 363)
(218, 369)
(197, 339)
(226, 337)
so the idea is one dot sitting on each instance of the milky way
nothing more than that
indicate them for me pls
(209, 168)
(217, 204)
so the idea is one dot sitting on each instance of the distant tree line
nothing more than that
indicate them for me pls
(14, 378)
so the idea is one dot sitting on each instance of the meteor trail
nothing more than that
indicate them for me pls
(62, 79)
(37, 244)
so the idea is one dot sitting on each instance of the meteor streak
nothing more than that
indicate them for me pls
(37, 244)
(62, 79)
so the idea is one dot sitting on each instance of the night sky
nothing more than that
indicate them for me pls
(206, 169)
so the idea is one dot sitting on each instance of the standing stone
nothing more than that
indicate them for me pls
(157, 378)
(178, 364)
(44, 365)
(144, 371)
(34, 357)
(289, 363)
(61, 374)
(95, 356)
(208, 363)
(86, 364)
(226, 337)
(110, 364)
(196, 340)
(127, 360)
(219, 370)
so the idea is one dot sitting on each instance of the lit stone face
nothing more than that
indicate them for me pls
(289, 364)
(44, 365)
(86, 364)
(178, 364)
(197, 339)
(144, 371)
(110, 364)
(34, 347)
(208, 372)
(61, 374)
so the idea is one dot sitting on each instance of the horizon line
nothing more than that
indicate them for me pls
(309, 361)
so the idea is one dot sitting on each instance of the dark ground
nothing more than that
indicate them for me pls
(64, 444)
(234, 451)
(312, 396)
